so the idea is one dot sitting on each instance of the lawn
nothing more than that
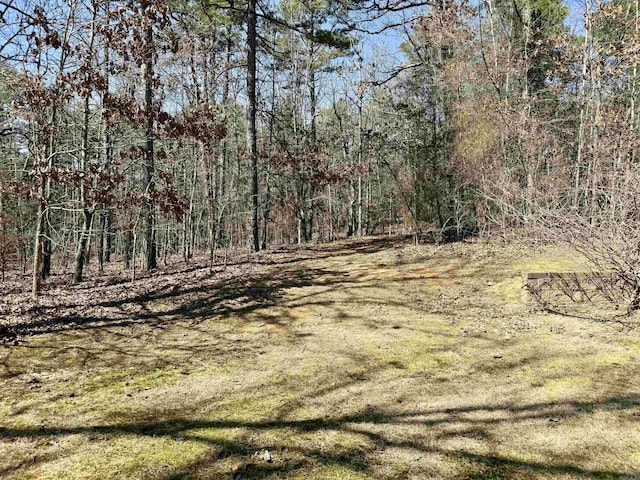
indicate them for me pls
(363, 359)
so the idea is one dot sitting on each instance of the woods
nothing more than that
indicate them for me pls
(353, 239)
(136, 131)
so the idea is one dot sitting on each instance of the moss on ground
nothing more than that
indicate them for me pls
(122, 457)
(509, 291)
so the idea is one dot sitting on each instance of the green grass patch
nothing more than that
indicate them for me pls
(131, 456)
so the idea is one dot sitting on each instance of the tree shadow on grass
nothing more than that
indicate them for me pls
(361, 423)
(614, 319)
(237, 295)
(193, 293)
(195, 299)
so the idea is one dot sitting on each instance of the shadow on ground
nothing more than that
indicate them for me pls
(193, 291)
(367, 423)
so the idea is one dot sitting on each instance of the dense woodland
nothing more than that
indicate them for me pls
(134, 131)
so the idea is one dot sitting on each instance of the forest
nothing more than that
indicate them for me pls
(311, 239)
(146, 130)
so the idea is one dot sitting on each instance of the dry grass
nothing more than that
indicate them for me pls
(358, 360)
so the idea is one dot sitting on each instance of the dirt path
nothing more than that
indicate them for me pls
(372, 359)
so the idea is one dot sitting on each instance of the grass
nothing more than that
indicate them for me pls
(373, 359)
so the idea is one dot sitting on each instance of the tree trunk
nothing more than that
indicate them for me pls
(360, 159)
(38, 243)
(47, 248)
(267, 206)
(252, 42)
(149, 166)
(86, 210)
(3, 250)
(209, 192)
(267, 212)
(109, 236)
(37, 254)
(107, 219)
(81, 253)
(101, 241)
(128, 246)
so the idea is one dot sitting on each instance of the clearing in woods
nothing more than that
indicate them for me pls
(368, 359)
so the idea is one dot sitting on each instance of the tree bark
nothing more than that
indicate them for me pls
(107, 216)
(3, 250)
(150, 261)
(87, 211)
(252, 42)
(37, 255)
